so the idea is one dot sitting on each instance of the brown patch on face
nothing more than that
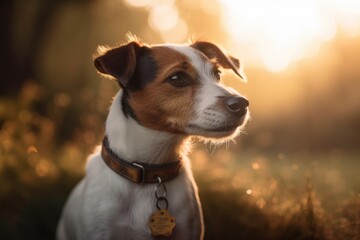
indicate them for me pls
(169, 61)
(160, 105)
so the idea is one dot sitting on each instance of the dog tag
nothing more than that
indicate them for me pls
(161, 223)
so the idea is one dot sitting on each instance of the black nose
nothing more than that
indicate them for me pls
(236, 104)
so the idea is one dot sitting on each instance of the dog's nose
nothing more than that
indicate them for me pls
(236, 104)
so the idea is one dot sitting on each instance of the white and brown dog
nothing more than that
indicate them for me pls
(168, 93)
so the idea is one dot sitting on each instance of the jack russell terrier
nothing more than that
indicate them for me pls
(140, 185)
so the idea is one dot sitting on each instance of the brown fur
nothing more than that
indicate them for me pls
(213, 52)
(124, 56)
(160, 105)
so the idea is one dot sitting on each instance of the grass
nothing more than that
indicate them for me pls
(280, 197)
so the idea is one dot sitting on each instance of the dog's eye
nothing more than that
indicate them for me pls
(217, 74)
(179, 79)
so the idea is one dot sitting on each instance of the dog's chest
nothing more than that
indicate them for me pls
(132, 213)
(133, 210)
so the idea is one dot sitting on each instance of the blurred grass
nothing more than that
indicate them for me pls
(247, 196)
(246, 193)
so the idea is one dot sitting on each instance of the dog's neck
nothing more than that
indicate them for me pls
(134, 142)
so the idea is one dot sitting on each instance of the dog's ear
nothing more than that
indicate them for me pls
(119, 62)
(213, 52)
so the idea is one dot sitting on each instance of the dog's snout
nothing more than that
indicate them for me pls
(236, 104)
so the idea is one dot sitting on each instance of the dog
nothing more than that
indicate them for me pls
(140, 185)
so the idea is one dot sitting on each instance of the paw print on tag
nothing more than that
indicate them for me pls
(161, 223)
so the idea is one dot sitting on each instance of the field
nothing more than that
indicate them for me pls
(276, 196)
(245, 194)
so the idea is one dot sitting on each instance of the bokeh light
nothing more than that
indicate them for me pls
(164, 18)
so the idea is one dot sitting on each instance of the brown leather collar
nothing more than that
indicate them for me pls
(138, 172)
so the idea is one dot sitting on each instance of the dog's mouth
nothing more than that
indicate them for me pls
(220, 129)
(217, 132)
(222, 132)
(225, 130)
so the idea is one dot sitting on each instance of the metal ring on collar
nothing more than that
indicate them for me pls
(160, 186)
(162, 199)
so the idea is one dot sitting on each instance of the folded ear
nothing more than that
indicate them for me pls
(119, 62)
(213, 51)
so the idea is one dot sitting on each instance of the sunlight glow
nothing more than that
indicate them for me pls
(42, 168)
(164, 18)
(280, 31)
(31, 149)
(138, 3)
(261, 203)
(176, 34)
(350, 15)
(255, 166)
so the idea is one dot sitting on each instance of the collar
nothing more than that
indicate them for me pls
(138, 172)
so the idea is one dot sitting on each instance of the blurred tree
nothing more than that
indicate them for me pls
(17, 66)
(7, 61)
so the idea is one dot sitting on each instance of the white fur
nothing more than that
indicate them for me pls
(105, 205)
(208, 116)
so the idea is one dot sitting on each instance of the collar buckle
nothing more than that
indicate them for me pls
(142, 168)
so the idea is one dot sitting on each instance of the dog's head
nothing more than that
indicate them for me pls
(176, 88)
